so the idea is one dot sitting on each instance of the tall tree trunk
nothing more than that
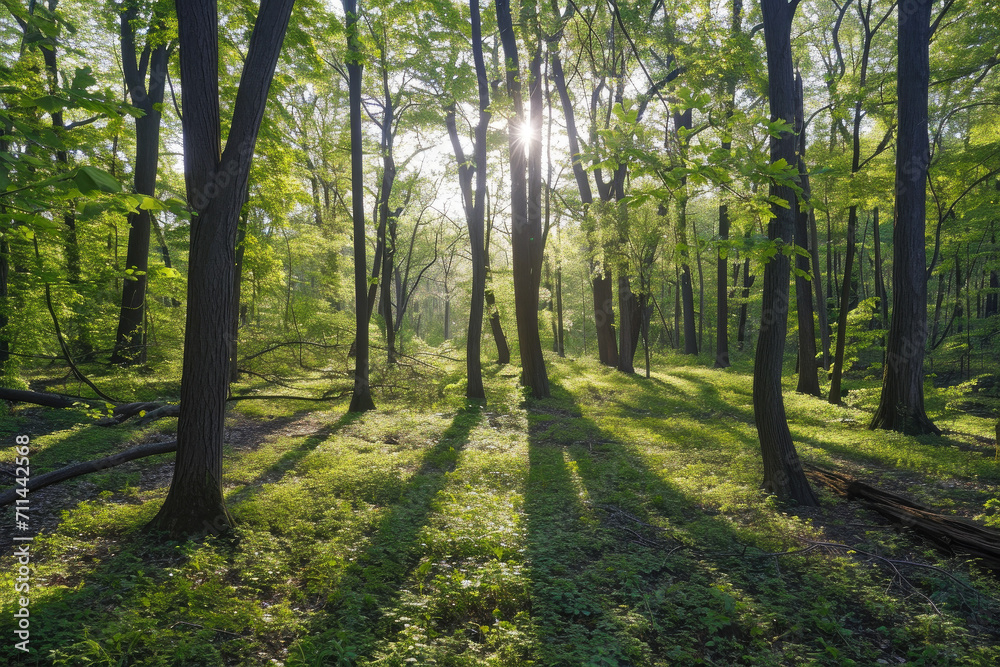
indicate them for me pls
(808, 373)
(901, 407)
(234, 334)
(683, 120)
(600, 283)
(844, 308)
(475, 206)
(216, 181)
(526, 199)
(783, 473)
(748, 281)
(883, 305)
(130, 339)
(361, 398)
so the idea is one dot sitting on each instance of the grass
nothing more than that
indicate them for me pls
(617, 523)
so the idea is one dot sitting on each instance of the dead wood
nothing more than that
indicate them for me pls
(77, 469)
(951, 534)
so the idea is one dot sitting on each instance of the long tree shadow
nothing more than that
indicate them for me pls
(628, 569)
(370, 584)
(355, 606)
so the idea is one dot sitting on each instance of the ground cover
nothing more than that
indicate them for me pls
(617, 523)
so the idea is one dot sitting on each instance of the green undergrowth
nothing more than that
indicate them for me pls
(618, 522)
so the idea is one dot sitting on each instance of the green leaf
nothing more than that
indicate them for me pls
(151, 204)
(83, 79)
(92, 179)
(50, 103)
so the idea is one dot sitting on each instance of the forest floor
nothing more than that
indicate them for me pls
(617, 523)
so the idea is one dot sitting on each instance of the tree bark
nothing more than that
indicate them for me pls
(683, 120)
(901, 407)
(130, 339)
(783, 475)
(526, 199)
(808, 372)
(216, 180)
(600, 282)
(845, 307)
(361, 400)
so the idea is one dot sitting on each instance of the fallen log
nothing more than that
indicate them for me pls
(77, 469)
(169, 410)
(123, 412)
(951, 534)
(39, 398)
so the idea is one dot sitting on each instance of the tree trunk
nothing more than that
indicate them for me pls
(361, 400)
(130, 340)
(216, 181)
(601, 285)
(683, 120)
(808, 373)
(901, 407)
(845, 308)
(526, 199)
(783, 473)
(883, 305)
(241, 235)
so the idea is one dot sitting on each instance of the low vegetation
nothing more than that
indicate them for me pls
(617, 523)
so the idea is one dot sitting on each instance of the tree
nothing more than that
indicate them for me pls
(475, 209)
(130, 340)
(783, 475)
(216, 179)
(525, 197)
(361, 399)
(901, 406)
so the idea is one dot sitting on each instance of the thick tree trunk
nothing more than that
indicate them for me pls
(216, 181)
(783, 473)
(526, 199)
(130, 340)
(901, 407)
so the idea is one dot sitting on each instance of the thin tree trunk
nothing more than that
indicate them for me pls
(880, 294)
(361, 400)
(808, 373)
(683, 120)
(845, 307)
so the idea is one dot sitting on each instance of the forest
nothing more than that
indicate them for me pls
(432, 332)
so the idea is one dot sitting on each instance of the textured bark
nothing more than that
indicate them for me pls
(600, 283)
(880, 292)
(130, 339)
(845, 307)
(683, 120)
(361, 399)
(901, 407)
(526, 200)
(783, 473)
(216, 180)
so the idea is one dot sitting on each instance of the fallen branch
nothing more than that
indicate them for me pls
(164, 411)
(39, 398)
(77, 469)
(952, 535)
(123, 412)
